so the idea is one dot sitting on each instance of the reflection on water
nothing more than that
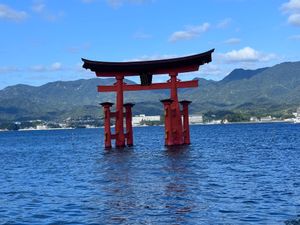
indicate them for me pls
(119, 190)
(178, 187)
(154, 192)
(236, 174)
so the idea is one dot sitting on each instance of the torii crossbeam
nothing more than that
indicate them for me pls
(176, 127)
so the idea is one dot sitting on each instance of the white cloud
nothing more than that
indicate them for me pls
(87, 1)
(211, 69)
(38, 68)
(232, 41)
(79, 48)
(115, 3)
(38, 7)
(224, 23)
(8, 69)
(189, 33)
(294, 19)
(119, 3)
(141, 35)
(247, 54)
(42, 68)
(295, 37)
(151, 57)
(41, 9)
(52, 17)
(291, 6)
(56, 66)
(11, 14)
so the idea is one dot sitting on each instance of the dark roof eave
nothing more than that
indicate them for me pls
(150, 67)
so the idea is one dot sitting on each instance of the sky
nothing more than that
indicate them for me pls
(44, 40)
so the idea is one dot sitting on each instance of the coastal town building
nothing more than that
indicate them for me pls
(195, 119)
(137, 120)
(297, 119)
(266, 119)
(254, 119)
(41, 127)
(215, 122)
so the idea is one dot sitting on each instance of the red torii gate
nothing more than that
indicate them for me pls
(176, 130)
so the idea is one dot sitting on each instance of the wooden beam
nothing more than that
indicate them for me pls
(155, 86)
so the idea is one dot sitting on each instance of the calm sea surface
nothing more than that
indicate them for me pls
(231, 174)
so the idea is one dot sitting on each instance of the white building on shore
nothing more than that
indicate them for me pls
(266, 119)
(136, 120)
(195, 119)
(41, 127)
(254, 119)
(297, 115)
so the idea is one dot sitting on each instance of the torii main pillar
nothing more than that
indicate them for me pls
(120, 138)
(176, 120)
(176, 117)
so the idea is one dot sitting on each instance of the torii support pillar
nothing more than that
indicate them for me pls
(186, 126)
(168, 122)
(129, 132)
(107, 131)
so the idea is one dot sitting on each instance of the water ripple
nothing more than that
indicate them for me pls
(235, 174)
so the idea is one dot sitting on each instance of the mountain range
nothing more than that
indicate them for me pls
(264, 90)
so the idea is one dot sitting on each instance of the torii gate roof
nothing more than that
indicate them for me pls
(163, 66)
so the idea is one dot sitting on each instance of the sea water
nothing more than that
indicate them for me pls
(230, 174)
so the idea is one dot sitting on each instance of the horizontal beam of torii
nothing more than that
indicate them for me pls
(154, 86)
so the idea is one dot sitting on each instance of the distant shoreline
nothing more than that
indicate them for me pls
(201, 124)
